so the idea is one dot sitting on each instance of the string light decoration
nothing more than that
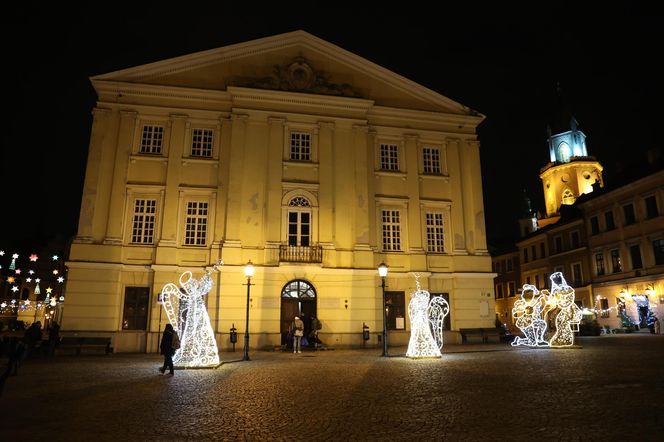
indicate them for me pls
(569, 314)
(186, 311)
(426, 316)
(531, 311)
(527, 314)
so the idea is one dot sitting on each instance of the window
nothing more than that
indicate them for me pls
(594, 225)
(196, 223)
(527, 279)
(431, 159)
(564, 152)
(396, 310)
(300, 146)
(142, 231)
(546, 279)
(201, 143)
(509, 265)
(658, 251)
(135, 314)
(152, 139)
(651, 207)
(525, 255)
(299, 222)
(568, 197)
(499, 268)
(389, 157)
(628, 210)
(537, 281)
(435, 237)
(616, 265)
(560, 269)
(499, 290)
(635, 254)
(391, 220)
(604, 307)
(511, 288)
(574, 237)
(533, 249)
(542, 250)
(558, 243)
(577, 274)
(599, 264)
(608, 219)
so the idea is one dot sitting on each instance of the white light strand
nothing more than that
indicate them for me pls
(198, 347)
(531, 314)
(426, 323)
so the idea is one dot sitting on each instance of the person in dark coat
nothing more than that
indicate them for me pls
(53, 338)
(167, 349)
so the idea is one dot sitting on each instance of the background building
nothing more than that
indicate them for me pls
(313, 163)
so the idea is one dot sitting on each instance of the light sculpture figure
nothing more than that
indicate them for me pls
(569, 313)
(187, 312)
(531, 311)
(527, 313)
(426, 316)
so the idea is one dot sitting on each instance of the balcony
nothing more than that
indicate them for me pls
(300, 253)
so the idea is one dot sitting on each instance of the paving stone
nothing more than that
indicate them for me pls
(608, 386)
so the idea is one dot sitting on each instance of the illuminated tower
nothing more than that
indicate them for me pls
(571, 171)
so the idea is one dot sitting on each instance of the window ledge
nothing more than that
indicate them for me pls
(396, 174)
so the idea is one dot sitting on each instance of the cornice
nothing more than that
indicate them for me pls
(123, 89)
(426, 116)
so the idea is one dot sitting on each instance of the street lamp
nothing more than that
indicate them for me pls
(382, 272)
(248, 272)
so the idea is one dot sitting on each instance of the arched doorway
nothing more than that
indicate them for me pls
(298, 298)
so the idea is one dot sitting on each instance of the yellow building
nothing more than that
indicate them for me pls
(315, 164)
(625, 228)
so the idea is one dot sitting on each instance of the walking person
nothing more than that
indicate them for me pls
(298, 332)
(169, 343)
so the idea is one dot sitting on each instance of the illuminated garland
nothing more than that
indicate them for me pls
(426, 323)
(530, 314)
(198, 347)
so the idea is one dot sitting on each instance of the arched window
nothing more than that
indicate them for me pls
(568, 197)
(299, 222)
(298, 289)
(564, 152)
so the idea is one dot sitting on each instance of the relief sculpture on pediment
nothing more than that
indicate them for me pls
(297, 76)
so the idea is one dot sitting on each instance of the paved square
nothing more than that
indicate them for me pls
(611, 389)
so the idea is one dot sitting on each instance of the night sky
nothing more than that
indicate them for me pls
(505, 66)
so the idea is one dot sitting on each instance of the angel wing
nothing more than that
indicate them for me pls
(169, 294)
(438, 309)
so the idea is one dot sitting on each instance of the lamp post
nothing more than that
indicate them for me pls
(248, 272)
(382, 272)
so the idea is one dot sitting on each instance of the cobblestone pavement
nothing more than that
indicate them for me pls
(610, 389)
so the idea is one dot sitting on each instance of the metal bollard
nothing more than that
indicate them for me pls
(365, 332)
(233, 336)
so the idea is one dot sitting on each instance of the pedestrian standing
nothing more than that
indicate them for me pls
(298, 332)
(53, 338)
(169, 343)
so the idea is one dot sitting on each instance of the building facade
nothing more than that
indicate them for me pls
(625, 228)
(313, 163)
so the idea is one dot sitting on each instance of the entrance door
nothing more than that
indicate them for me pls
(298, 298)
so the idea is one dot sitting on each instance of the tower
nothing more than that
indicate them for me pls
(571, 172)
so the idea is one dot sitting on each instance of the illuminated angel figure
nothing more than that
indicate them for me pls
(426, 324)
(198, 347)
(568, 314)
(528, 317)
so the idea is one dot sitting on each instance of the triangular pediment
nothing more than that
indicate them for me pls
(295, 62)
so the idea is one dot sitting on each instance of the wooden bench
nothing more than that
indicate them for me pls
(471, 335)
(80, 343)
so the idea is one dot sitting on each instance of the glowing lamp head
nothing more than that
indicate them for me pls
(382, 270)
(650, 291)
(249, 270)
